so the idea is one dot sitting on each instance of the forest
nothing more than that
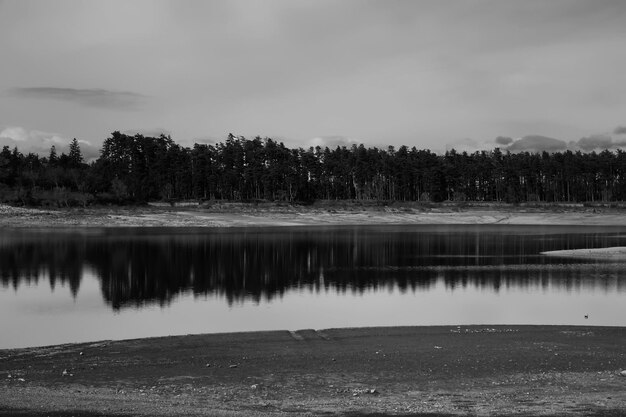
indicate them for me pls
(138, 169)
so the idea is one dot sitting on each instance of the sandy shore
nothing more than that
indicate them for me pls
(237, 215)
(475, 370)
(611, 253)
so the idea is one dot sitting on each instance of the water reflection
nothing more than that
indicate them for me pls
(139, 267)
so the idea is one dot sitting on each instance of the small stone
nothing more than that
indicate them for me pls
(80, 354)
(438, 347)
(9, 376)
(65, 373)
(254, 386)
(21, 379)
(373, 391)
(623, 373)
(208, 365)
(232, 366)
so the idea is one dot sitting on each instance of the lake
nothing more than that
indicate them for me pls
(76, 285)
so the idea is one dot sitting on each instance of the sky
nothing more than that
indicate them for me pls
(440, 74)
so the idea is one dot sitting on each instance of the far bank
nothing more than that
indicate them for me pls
(224, 214)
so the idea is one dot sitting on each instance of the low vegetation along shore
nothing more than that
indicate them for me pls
(475, 370)
(226, 214)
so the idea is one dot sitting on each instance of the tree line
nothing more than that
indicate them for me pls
(137, 169)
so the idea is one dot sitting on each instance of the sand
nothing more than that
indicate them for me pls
(238, 215)
(434, 371)
(610, 253)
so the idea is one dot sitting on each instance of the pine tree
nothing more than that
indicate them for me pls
(75, 156)
(53, 158)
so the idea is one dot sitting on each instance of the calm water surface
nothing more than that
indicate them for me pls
(94, 284)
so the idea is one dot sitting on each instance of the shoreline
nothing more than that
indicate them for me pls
(610, 253)
(442, 370)
(269, 215)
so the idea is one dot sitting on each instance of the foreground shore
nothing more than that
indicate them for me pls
(469, 370)
(337, 213)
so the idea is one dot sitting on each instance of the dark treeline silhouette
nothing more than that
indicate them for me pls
(24, 260)
(136, 169)
(134, 268)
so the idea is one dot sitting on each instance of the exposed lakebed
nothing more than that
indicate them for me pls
(90, 284)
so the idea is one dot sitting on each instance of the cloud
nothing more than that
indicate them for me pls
(503, 140)
(589, 143)
(600, 142)
(332, 141)
(17, 134)
(96, 97)
(153, 132)
(537, 143)
(39, 142)
(620, 130)
(468, 145)
(21, 137)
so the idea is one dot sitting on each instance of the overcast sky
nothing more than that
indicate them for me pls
(431, 74)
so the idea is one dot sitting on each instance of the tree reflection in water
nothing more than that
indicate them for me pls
(138, 267)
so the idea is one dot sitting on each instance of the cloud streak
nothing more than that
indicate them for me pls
(92, 97)
(537, 143)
